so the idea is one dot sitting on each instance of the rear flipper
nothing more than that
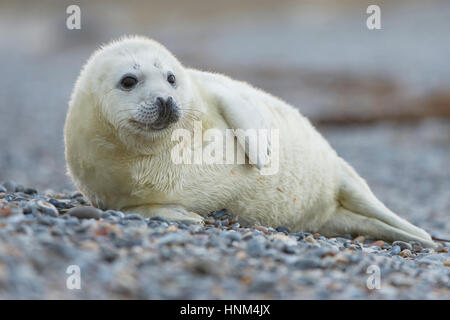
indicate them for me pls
(361, 213)
(344, 221)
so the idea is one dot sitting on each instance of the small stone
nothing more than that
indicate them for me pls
(446, 263)
(117, 214)
(316, 235)
(406, 253)
(262, 229)
(255, 248)
(30, 191)
(76, 194)
(85, 212)
(105, 214)
(19, 188)
(133, 216)
(10, 186)
(2, 189)
(47, 208)
(403, 245)
(241, 255)
(395, 250)
(219, 214)
(233, 236)
(308, 263)
(172, 228)
(417, 248)
(359, 239)
(283, 229)
(172, 238)
(340, 257)
(310, 238)
(378, 243)
(160, 219)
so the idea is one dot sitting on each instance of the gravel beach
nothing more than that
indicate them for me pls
(131, 257)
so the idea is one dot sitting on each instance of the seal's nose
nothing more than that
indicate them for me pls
(165, 105)
(167, 110)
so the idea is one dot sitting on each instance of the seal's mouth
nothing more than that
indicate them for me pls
(149, 126)
(156, 116)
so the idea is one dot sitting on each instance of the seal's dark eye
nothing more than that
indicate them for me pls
(128, 82)
(171, 78)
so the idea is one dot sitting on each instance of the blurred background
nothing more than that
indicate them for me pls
(381, 97)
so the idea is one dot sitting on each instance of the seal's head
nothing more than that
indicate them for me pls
(137, 85)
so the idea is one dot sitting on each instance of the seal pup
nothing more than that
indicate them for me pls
(133, 94)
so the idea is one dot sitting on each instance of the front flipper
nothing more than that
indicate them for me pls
(243, 112)
(170, 212)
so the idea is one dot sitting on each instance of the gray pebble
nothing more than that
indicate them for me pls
(84, 212)
(255, 247)
(76, 194)
(284, 229)
(233, 236)
(403, 245)
(46, 208)
(3, 189)
(134, 216)
(172, 238)
(105, 215)
(30, 191)
(117, 214)
(10, 186)
(308, 263)
(161, 219)
(396, 250)
(219, 214)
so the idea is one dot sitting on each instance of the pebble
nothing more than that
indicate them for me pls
(84, 212)
(396, 250)
(378, 243)
(134, 216)
(3, 189)
(406, 253)
(283, 229)
(308, 263)
(30, 191)
(403, 245)
(255, 248)
(46, 208)
(233, 236)
(219, 214)
(10, 186)
(128, 256)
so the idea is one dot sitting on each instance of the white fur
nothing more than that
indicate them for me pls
(118, 166)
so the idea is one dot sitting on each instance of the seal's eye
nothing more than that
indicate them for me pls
(128, 82)
(171, 78)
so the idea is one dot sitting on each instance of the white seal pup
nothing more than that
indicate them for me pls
(131, 97)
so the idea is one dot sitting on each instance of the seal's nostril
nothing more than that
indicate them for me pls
(160, 102)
